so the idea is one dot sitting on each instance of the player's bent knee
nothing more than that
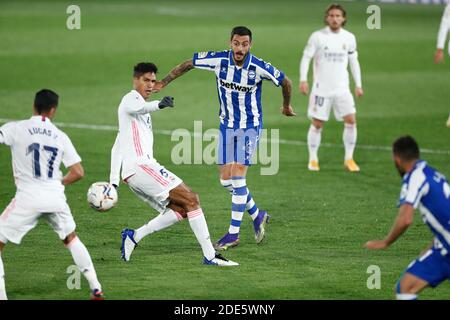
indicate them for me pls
(350, 120)
(317, 124)
(193, 200)
(69, 238)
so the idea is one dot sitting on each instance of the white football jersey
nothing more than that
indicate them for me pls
(134, 142)
(38, 148)
(330, 51)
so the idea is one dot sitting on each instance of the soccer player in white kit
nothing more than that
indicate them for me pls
(442, 37)
(132, 154)
(332, 49)
(38, 148)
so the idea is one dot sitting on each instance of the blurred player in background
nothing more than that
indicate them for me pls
(38, 148)
(425, 188)
(442, 37)
(332, 49)
(239, 76)
(132, 154)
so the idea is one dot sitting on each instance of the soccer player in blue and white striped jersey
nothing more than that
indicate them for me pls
(239, 76)
(428, 190)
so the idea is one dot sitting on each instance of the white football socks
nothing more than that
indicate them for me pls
(83, 260)
(2, 280)
(314, 137)
(198, 225)
(349, 138)
(162, 221)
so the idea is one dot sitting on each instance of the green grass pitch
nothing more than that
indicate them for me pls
(319, 220)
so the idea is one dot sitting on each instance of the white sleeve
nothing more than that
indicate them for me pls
(70, 155)
(304, 67)
(7, 133)
(308, 53)
(116, 163)
(355, 68)
(444, 28)
(311, 47)
(140, 107)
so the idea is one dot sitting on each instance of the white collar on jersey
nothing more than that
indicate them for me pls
(328, 30)
(41, 118)
(138, 94)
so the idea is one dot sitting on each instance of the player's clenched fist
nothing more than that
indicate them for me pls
(166, 102)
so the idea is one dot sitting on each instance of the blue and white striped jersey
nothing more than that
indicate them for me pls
(239, 88)
(428, 190)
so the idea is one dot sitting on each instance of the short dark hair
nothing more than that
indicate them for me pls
(406, 148)
(335, 6)
(45, 100)
(241, 31)
(144, 67)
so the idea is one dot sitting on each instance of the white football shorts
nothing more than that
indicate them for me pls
(152, 183)
(320, 107)
(17, 220)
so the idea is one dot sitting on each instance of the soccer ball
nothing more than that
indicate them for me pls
(102, 196)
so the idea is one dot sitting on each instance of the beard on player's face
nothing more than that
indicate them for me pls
(239, 56)
(240, 46)
(335, 25)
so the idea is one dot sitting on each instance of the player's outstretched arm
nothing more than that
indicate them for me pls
(286, 88)
(76, 172)
(179, 70)
(403, 221)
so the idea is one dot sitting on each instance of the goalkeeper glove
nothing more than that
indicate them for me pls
(166, 102)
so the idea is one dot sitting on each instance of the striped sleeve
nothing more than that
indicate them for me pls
(414, 189)
(208, 60)
(271, 73)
